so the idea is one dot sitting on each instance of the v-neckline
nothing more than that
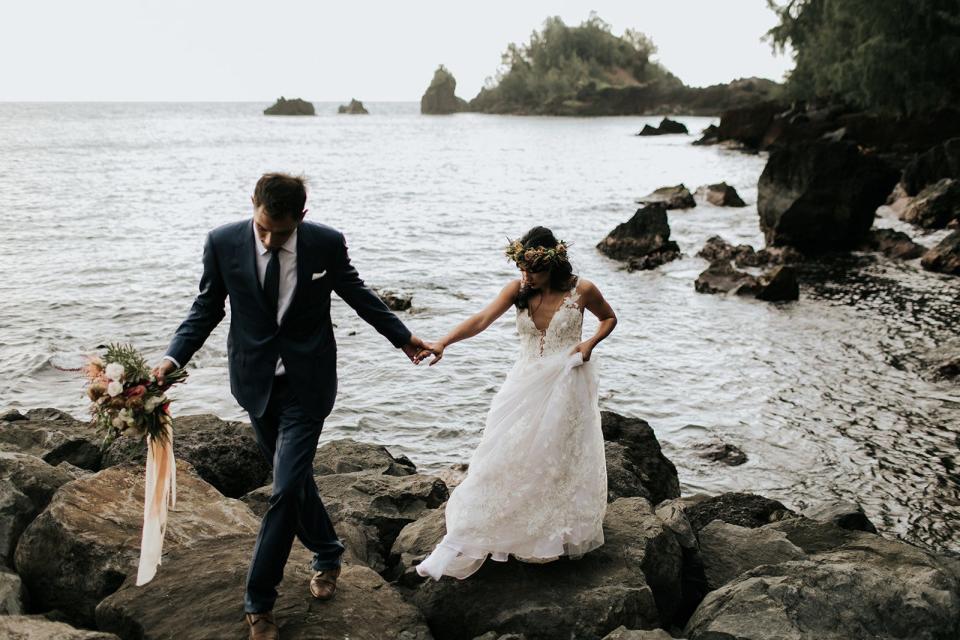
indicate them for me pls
(563, 299)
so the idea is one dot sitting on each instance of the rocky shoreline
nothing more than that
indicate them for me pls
(734, 565)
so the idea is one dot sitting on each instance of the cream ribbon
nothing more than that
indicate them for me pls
(160, 491)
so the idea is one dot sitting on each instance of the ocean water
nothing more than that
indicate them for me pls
(105, 208)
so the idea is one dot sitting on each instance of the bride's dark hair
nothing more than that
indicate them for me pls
(561, 272)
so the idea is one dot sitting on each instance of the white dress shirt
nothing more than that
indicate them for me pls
(288, 276)
(288, 279)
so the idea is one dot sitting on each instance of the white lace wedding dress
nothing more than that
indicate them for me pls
(536, 486)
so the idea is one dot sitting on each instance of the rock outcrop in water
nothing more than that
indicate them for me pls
(945, 257)
(721, 195)
(294, 107)
(354, 108)
(666, 126)
(937, 206)
(734, 564)
(676, 197)
(440, 97)
(643, 241)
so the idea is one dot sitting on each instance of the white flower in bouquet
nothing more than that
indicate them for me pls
(114, 388)
(114, 372)
(152, 403)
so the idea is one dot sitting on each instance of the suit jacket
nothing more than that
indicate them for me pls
(304, 337)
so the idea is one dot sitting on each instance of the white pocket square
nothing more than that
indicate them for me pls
(317, 276)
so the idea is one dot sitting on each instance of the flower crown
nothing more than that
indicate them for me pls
(536, 258)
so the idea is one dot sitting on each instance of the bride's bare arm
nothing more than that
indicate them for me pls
(478, 321)
(594, 302)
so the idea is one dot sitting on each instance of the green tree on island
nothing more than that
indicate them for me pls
(893, 56)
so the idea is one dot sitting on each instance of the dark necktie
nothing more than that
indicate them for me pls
(271, 280)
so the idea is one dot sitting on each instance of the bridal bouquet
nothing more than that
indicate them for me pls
(127, 397)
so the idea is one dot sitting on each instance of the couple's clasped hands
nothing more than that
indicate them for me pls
(418, 350)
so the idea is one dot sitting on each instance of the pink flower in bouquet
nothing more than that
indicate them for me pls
(136, 392)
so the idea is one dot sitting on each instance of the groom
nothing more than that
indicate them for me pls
(279, 273)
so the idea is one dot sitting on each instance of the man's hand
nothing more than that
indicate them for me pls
(416, 349)
(161, 370)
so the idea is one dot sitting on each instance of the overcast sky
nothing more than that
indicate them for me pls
(371, 50)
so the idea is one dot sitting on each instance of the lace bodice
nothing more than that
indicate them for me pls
(563, 333)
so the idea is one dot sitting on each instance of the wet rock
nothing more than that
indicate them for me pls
(644, 238)
(728, 454)
(622, 633)
(948, 368)
(729, 550)
(749, 125)
(677, 197)
(27, 484)
(39, 628)
(843, 513)
(936, 206)
(12, 594)
(213, 572)
(415, 542)
(87, 541)
(638, 454)
(945, 257)
(779, 284)
(346, 456)
(652, 260)
(53, 436)
(893, 244)
(440, 97)
(721, 277)
(693, 579)
(453, 475)
(716, 249)
(666, 126)
(623, 582)
(11, 415)
(223, 453)
(396, 301)
(354, 108)
(938, 162)
(821, 196)
(742, 509)
(869, 587)
(708, 136)
(294, 107)
(721, 195)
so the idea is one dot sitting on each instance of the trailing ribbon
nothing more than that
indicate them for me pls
(160, 492)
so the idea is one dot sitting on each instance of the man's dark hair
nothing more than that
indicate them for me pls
(281, 195)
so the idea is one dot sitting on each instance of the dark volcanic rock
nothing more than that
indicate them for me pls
(39, 628)
(211, 575)
(633, 441)
(721, 277)
(936, 206)
(728, 454)
(294, 107)
(945, 257)
(844, 514)
(779, 284)
(677, 197)
(721, 195)
(941, 161)
(354, 108)
(645, 236)
(749, 125)
(396, 301)
(87, 541)
(821, 196)
(742, 509)
(633, 579)
(728, 550)
(440, 97)
(894, 244)
(53, 436)
(347, 456)
(666, 126)
(225, 454)
(27, 484)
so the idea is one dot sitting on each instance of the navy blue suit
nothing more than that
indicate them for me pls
(286, 412)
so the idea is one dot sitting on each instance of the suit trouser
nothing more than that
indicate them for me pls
(288, 438)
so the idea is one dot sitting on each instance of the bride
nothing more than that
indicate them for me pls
(536, 486)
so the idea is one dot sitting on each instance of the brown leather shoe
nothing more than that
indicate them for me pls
(262, 626)
(323, 584)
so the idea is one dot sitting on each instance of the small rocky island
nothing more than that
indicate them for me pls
(440, 97)
(294, 107)
(698, 567)
(355, 108)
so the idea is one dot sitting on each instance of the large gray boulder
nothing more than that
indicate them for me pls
(39, 628)
(729, 550)
(198, 595)
(347, 455)
(945, 257)
(937, 206)
(87, 541)
(223, 453)
(636, 465)
(55, 437)
(27, 484)
(292, 107)
(633, 579)
(440, 97)
(13, 596)
(721, 195)
(644, 239)
(676, 197)
(869, 587)
(821, 196)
